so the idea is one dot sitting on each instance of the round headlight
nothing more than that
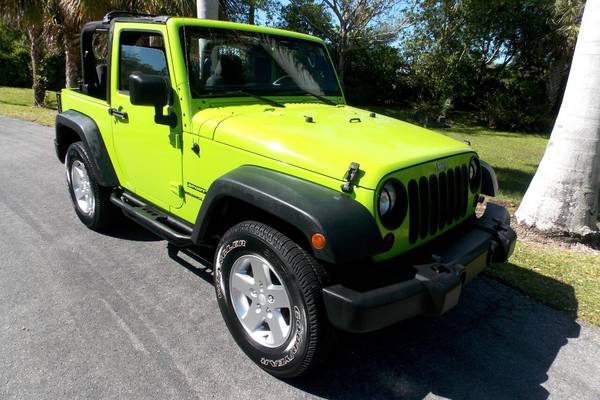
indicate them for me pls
(392, 204)
(387, 198)
(474, 174)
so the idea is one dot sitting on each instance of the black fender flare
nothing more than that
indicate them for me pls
(350, 229)
(89, 134)
(489, 181)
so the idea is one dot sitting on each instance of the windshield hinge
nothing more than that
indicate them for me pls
(350, 177)
(177, 140)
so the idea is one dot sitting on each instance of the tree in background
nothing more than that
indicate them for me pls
(563, 195)
(504, 61)
(307, 16)
(356, 21)
(376, 75)
(567, 19)
(490, 57)
(14, 57)
(68, 17)
(245, 10)
(29, 15)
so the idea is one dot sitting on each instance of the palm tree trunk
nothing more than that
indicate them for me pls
(342, 51)
(35, 38)
(251, 12)
(72, 57)
(208, 9)
(563, 195)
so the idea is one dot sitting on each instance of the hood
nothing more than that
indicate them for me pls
(337, 136)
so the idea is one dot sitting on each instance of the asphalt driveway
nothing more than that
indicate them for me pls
(117, 315)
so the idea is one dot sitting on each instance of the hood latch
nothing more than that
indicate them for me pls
(350, 177)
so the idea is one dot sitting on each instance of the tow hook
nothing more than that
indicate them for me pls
(443, 282)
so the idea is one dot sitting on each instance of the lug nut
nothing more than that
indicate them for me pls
(271, 298)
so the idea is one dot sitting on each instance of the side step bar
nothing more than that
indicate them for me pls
(175, 231)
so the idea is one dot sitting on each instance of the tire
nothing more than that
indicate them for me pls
(95, 210)
(241, 252)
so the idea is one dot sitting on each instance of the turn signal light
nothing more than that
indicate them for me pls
(318, 241)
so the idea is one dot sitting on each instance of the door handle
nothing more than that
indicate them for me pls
(116, 113)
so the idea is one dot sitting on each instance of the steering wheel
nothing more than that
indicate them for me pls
(277, 82)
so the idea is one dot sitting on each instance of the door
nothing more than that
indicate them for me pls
(148, 154)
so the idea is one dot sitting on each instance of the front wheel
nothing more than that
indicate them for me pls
(269, 292)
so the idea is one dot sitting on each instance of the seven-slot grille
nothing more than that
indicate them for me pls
(437, 201)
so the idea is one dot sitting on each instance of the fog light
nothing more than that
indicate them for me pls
(388, 241)
(477, 198)
(480, 206)
(318, 241)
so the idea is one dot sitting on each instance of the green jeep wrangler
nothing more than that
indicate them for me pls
(236, 140)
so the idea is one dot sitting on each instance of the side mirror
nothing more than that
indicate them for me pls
(152, 90)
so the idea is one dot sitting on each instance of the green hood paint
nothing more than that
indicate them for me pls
(328, 145)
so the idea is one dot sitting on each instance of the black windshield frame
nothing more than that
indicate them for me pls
(296, 67)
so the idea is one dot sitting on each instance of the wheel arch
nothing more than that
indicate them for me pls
(72, 126)
(300, 207)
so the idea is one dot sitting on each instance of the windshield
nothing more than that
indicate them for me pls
(221, 62)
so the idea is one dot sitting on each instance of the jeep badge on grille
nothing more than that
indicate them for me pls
(440, 165)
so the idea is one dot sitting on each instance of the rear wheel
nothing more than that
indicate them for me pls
(90, 200)
(269, 292)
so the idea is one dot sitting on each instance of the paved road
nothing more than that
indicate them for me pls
(89, 315)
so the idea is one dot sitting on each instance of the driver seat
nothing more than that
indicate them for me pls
(229, 71)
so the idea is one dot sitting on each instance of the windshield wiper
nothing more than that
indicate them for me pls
(322, 98)
(243, 92)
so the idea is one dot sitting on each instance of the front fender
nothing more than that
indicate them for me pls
(350, 229)
(489, 182)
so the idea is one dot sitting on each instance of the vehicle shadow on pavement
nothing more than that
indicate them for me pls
(495, 344)
(195, 260)
(129, 230)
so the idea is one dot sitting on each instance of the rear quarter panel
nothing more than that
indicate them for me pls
(97, 110)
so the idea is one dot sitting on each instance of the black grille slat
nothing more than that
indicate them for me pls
(443, 184)
(437, 201)
(457, 193)
(424, 205)
(413, 211)
(451, 196)
(464, 191)
(434, 204)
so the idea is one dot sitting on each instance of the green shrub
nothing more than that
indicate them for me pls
(516, 103)
(15, 62)
(52, 71)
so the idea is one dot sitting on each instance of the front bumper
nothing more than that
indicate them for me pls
(437, 272)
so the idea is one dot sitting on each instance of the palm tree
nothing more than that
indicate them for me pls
(72, 14)
(563, 195)
(29, 15)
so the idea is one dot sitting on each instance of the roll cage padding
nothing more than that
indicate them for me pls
(489, 181)
(88, 132)
(349, 228)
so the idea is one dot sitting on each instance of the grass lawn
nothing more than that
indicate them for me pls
(515, 157)
(564, 279)
(18, 103)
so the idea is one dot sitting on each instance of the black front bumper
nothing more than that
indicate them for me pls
(438, 272)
